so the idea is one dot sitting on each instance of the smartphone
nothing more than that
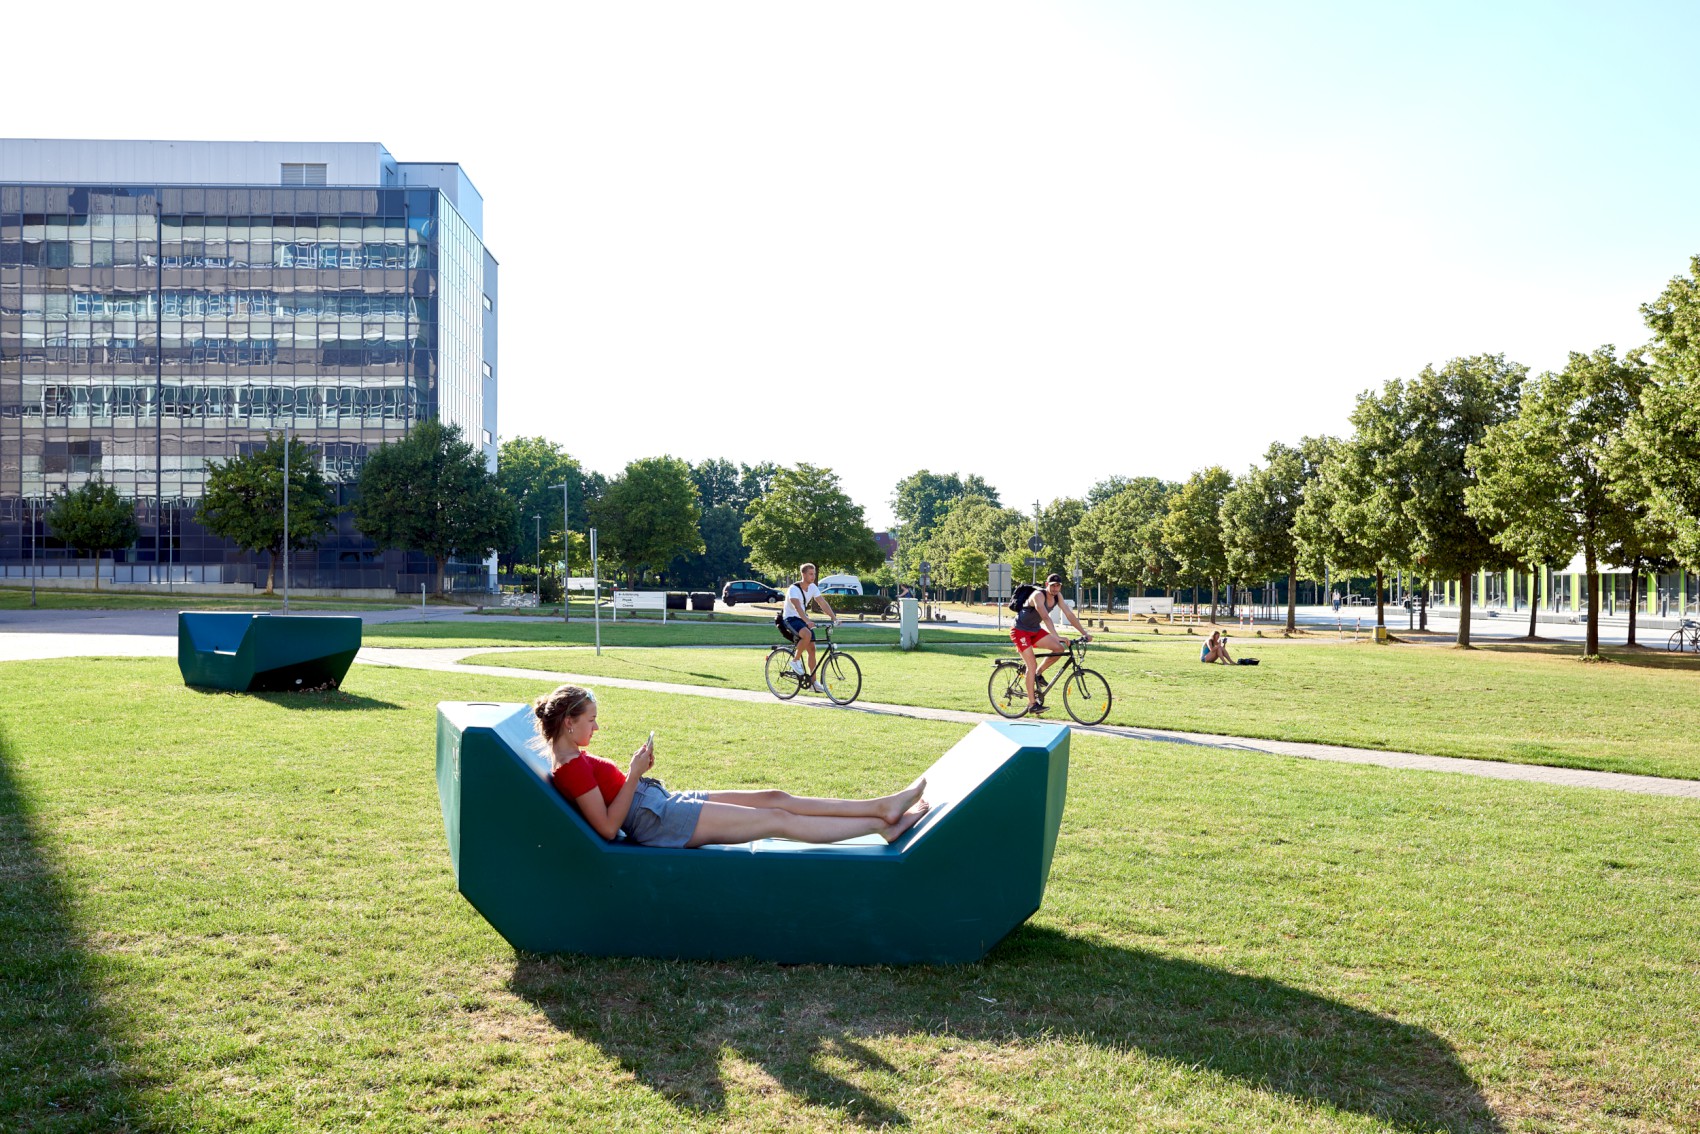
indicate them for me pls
(650, 743)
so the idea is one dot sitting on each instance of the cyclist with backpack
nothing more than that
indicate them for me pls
(798, 596)
(1034, 631)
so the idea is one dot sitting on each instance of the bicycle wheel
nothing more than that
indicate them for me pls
(781, 679)
(1676, 643)
(841, 676)
(1007, 691)
(1087, 696)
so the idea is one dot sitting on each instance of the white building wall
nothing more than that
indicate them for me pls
(91, 161)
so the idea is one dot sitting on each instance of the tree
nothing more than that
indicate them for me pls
(920, 498)
(1444, 413)
(1118, 540)
(1259, 513)
(1193, 529)
(1357, 521)
(1662, 437)
(430, 492)
(93, 518)
(1108, 487)
(531, 470)
(648, 515)
(1057, 521)
(243, 501)
(1000, 534)
(967, 569)
(806, 517)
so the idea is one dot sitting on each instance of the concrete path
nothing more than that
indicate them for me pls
(448, 661)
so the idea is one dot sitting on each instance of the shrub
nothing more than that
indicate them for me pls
(859, 604)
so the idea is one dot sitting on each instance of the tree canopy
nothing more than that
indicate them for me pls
(430, 492)
(806, 517)
(1193, 528)
(1259, 514)
(243, 501)
(93, 518)
(648, 515)
(921, 498)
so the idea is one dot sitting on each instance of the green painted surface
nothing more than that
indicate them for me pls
(253, 653)
(970, 872)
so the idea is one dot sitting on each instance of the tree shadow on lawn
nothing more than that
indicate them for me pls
(671, 1024)
(61, 1065)
(1644, 656)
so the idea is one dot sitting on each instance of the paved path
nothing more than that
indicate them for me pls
(60, 634)
(449, 661)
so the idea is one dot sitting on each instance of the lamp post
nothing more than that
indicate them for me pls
(286, 517)
(538, 525)
(566, 550)
(34, 539)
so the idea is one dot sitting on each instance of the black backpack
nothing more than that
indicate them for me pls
(1023, 592)
(784, 630)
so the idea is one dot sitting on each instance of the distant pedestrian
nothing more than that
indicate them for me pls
(1336, 602)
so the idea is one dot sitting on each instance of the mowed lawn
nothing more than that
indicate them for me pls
(472, 632)
(229, 912)
(1526, 704)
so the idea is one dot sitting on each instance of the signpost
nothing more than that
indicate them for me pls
(997, 581)
(1035, 561)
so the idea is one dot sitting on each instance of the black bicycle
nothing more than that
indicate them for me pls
(1687, 637)
(836, 673)
(1086, 695)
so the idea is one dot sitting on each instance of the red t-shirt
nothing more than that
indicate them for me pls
(584, 772)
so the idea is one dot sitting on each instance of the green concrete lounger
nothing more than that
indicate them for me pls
(972, 870)
(252, 653)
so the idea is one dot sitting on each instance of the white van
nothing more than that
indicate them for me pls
(840, 585)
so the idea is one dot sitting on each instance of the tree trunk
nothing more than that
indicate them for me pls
(1534, 599)
(1292, 597)
(1380, 600)
(1464, 608)
(1634, 591)
(1212, 600)
(97, 568)
(1195, 598)
(271, 572)
(1592, 649)
(442, 570)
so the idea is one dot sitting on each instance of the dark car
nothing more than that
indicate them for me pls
(747, 590)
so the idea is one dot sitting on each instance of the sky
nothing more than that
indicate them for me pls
(1041, 243)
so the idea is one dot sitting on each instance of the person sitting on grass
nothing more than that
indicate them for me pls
(652, 816)
(1216, 650)
(1034, 630)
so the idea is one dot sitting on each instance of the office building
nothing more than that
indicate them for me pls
(167, 303)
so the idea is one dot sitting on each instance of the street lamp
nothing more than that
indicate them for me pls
(566, 549)
(538, 517)
(34, 539)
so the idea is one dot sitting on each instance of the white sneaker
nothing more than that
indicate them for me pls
(819, 688)
(797, 667)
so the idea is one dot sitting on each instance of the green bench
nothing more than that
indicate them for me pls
(253, 653)
(972, 870)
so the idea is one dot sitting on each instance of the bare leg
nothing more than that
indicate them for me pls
(729, 823)
(887, 808)
(1051, 644)
(1027, 674)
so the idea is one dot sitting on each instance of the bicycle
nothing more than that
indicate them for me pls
(835, 671)
(1687, 637)
(1086, 695)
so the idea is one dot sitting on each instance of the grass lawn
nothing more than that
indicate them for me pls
(1525, 704)
(228, 912)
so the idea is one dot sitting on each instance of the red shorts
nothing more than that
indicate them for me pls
(1024, 639)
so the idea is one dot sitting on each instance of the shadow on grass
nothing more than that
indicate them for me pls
(1647, 655)
(813, 1028)
(329, 700)
(61, 1066)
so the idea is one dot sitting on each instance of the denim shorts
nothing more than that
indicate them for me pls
(662, 818)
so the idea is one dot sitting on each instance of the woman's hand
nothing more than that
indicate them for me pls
(643, 760)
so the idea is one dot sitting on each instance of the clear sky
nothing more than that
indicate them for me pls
(1043, 243)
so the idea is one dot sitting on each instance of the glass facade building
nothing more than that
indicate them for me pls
(163, 304)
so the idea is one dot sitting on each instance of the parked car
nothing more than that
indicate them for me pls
(748, 590)
(841, 585)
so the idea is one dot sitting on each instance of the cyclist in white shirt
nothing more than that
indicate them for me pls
(797, 599)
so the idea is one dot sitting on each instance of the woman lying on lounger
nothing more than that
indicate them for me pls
(652, 816)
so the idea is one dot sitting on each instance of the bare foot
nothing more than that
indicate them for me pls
(892, 807)
(905, 821)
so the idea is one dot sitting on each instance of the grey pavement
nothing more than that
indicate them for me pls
(58, 634)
